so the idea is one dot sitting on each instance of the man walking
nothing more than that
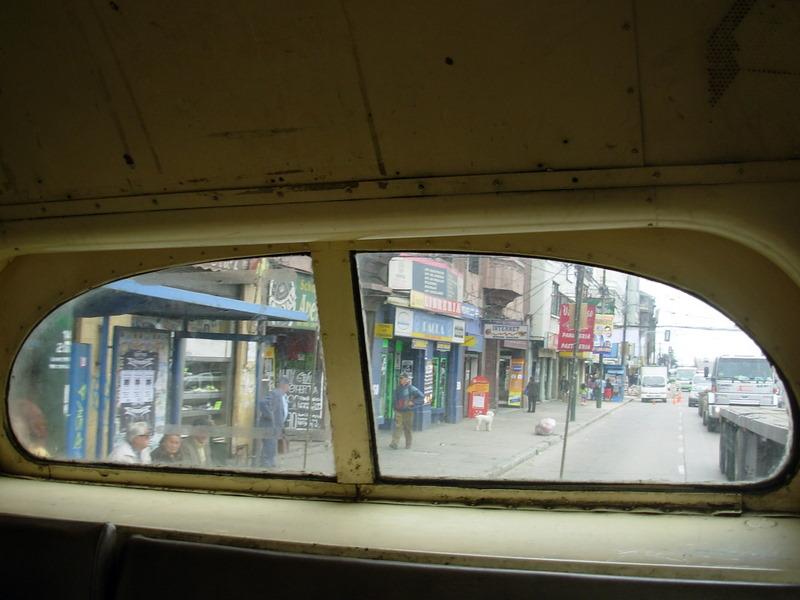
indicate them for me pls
(406, 398)
(272, 412)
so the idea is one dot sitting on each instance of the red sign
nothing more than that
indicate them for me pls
(435, 304)
(566, 327)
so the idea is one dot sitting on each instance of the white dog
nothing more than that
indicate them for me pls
(484, 420)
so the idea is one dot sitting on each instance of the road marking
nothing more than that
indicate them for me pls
(680, 437)
(681, 470)
(680, 449)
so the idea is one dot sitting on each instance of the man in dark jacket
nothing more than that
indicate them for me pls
(532, 392)
(406, 399)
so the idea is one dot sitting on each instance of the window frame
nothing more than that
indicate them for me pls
(354, 479)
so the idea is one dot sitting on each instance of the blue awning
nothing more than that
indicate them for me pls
(129, 297)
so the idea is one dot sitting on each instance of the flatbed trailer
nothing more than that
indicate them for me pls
(752, 441)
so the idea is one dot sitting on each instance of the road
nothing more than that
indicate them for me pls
(639, 442)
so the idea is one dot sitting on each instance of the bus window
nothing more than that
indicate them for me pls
(215, 365)
(474, 376)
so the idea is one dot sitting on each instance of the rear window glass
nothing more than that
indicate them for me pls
(522, 369)
(209, 366)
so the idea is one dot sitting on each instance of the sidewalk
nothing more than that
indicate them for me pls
(457, 450)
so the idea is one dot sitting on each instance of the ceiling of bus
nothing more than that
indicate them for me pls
(101, 99)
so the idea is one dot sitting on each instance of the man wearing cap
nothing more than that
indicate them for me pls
(406, 398)
(272, 412)
(134, 449)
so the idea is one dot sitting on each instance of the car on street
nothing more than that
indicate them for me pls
(700, 385)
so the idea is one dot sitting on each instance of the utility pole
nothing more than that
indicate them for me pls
(624, 354)
(573, 396)
(598, 398)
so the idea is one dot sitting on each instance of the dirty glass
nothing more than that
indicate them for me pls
(208, 366)
(477, 372)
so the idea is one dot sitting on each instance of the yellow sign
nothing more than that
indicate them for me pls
(469, 341)
(419, 344)
(384, 330)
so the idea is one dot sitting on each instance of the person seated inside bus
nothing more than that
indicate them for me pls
(169, 450)
(134, 449)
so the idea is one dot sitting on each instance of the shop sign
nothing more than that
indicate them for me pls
(603, 330)
(579, 355)
(443, 346)
(505, 330)
(384, 330)
(470, 311)
(515, 344)
(426, 326)
(474, 343)
(419, 344)
(430, 277)
(566, 328)
(435, 304)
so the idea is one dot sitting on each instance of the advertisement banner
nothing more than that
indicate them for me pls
(141, 369)
(427, 277)
(603, 330)
(505, 330)
(566, 328)
(516, 381)
(292, 290)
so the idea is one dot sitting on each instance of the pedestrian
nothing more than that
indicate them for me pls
(532, 392)
(406, 399)
(134, 450)
(272, 412)
(597, 389)
(586, 394)
(608, 390)
(563, 388)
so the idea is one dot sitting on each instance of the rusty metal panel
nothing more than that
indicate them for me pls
(103, 99)
(475, 87)
(720, 80)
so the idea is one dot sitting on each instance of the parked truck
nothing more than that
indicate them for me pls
(738, 381)
(654, 384)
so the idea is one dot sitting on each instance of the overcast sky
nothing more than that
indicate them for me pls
(696, 329)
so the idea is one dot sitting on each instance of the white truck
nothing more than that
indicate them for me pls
(654, 384)
(738, 381)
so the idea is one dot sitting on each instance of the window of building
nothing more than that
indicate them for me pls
(216, 365)
(599, 405)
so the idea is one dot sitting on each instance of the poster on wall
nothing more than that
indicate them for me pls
(141, 369)
(603, 331)
(515, 381)
(304, 399)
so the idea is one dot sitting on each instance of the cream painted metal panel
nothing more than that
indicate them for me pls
(748, 548)
(196, 95)
(474, 87)
(756, 115)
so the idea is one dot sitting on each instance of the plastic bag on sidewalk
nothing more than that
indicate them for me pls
(546, 426)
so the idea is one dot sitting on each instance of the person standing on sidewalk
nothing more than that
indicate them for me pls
(532, 392)
(406, 399)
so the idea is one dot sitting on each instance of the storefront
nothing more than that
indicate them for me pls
(506, 348)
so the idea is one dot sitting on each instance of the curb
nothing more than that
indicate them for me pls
(520, 458)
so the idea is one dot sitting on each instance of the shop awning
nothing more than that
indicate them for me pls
(129, 297)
